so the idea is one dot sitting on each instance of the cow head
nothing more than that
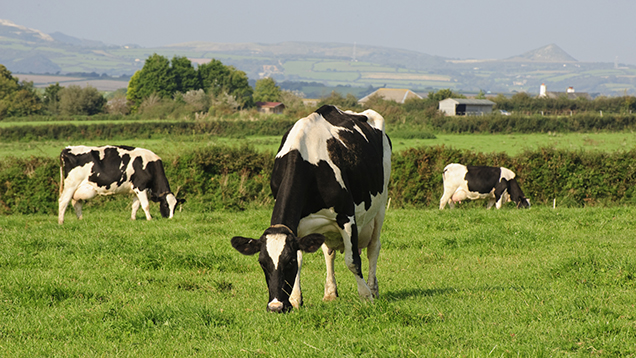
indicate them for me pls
(516, 195)
(167, 203)
(279, 250)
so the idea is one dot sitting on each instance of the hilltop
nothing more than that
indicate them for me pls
(30, 51)
(549, 53)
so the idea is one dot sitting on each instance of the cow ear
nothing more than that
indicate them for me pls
(310, 243)
(245, 245)
(180, 201)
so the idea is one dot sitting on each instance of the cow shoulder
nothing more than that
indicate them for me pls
(482, 179)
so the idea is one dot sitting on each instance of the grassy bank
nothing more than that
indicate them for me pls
(465, 282)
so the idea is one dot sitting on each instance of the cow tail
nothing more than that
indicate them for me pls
(61, 175)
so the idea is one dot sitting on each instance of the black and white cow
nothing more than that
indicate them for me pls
(497, 184)
(89, 171)
(330, 182)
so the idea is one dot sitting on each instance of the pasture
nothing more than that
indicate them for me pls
(511, 144)
(465, 282)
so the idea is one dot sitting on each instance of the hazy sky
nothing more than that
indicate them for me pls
(588, 30)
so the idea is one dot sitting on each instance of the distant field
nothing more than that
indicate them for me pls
(99, 84)
(511, 144)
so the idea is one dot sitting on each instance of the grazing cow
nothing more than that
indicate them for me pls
(89, 171)
(497, 184)
(330, 182)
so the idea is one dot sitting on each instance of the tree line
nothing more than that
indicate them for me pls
(161, 86)
(176, 88)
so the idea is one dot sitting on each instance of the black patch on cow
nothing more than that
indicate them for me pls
(482, 179)
(301, 188)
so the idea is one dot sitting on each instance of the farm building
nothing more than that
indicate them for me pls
(398, 95)
(270, 107)
(465, 107)
(570, 93)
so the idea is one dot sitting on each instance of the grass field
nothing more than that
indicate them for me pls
(511, 144)
(463, 282)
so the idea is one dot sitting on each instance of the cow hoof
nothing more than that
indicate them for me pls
(329, 298)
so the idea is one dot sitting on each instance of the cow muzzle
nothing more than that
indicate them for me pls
(277, 306)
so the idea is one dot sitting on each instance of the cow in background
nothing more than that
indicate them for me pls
(89, 171)
(495, 184)
(330, 183)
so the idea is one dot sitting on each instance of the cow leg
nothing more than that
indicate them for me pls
(352, 257)
(331, 289)
(296, 297)
(491, 202)
(143, 201)
(135, 207)
(500, 193)
(373, 252)
(77, 205)
(65, 198)
(446, 197)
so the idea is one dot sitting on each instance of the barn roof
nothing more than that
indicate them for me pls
(470, 101)
(399, 95)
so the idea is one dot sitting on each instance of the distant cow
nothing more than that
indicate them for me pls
(89, 171)
(497, 184)
(330, 182)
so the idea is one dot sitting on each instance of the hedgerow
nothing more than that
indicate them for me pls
(231, 178)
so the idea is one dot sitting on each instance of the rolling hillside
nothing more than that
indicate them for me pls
(29, 51)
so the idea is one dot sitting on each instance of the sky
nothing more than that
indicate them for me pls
(588, 30)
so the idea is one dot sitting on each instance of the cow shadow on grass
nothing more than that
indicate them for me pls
(422, 292)
(416, 292)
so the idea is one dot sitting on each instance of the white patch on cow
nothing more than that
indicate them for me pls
(309, 137)
(172, 203)
(506, 174)
(275, 246)
(80, 149)
(361, 132)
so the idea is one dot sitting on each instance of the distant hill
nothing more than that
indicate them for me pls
(11, 30)
(333, 65)
(549, 53)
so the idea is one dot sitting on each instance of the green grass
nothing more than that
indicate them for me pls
(511, 144)
(463, 282)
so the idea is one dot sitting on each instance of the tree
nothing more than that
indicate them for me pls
(51, 97)
(185, 75)
(75, 100)
(216, 79)
(212, 75)
(155, 77)
(443, 94)
(17, 98)
(336, 99)
(132, 92)
(266, 90)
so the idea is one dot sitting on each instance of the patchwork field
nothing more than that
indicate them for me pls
(466, 282)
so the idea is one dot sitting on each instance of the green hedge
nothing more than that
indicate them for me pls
(142, 130)
(229, 178)
(518, 123)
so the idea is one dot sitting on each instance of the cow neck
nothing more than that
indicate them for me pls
(159, 184)
(292, 175)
